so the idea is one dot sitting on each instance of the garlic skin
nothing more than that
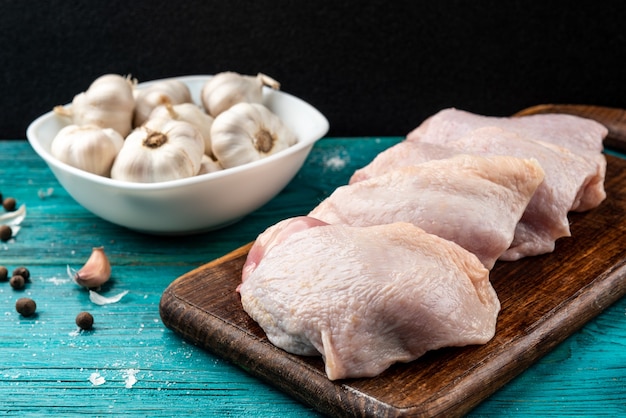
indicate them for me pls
(162, 92)
(88, 147)
(190, 113)
(96, 271)
(248, 132)
(108, 103)
(228, 88)
(160, 150)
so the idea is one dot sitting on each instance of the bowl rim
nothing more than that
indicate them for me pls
(314, 136)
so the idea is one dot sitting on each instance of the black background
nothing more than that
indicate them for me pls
(374, 68)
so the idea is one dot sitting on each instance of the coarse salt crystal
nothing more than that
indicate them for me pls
(96, 379)
(129, 377)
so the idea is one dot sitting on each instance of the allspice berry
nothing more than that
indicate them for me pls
(84, 320)
(25, 306)
(4, 274)
(9, 204)
(17, 282)
(5, 232)
(22, 271)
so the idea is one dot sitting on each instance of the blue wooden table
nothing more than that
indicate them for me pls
(131, 364)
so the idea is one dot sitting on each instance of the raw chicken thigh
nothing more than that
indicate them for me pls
(472, 200)
(397, 262)
(273, 235)
(578, 134)
(367, 297)
(572, 183)
(403, 154)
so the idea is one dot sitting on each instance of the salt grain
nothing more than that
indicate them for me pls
(43, 193)
(129, 377)
(335, 163)
(96, 379)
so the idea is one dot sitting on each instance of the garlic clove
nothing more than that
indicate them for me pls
(228, 88)
(248, 132)
(209, 165)
(96, 271)
(87, 147)
(162, 92)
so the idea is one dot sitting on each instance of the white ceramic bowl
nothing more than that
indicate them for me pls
(195, 204)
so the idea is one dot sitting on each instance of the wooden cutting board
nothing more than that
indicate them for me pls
(544, 300)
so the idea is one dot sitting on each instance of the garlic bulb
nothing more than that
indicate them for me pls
(209, 165)
(190, 113)
(248, 132)
(162, 92)
(226, 89)
(108, 103)
(88, 147)
(160, 150)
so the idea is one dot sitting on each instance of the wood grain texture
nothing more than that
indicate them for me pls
(544, 300)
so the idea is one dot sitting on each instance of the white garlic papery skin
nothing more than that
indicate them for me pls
(226, 89)
(162, 92)
(87, 147)
(248, 132)
(160, 150)
(190, 113)
(108, 103)
(209, 165)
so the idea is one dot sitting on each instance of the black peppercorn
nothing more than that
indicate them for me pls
(84, 320)
(25, 306)
(5, 232)
(4, 274)
(17, 282)
(9, 204)
(22, 271)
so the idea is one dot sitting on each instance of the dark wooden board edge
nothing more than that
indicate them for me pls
(219, 325)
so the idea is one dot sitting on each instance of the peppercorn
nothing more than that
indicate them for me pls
(25, 306)
(17, 282)
(84, 320)
(22, 271)
(9, 204)
(5, 232)
(4, 274)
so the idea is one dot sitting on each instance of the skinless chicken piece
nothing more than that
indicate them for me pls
(472, 200)
(366, 297)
